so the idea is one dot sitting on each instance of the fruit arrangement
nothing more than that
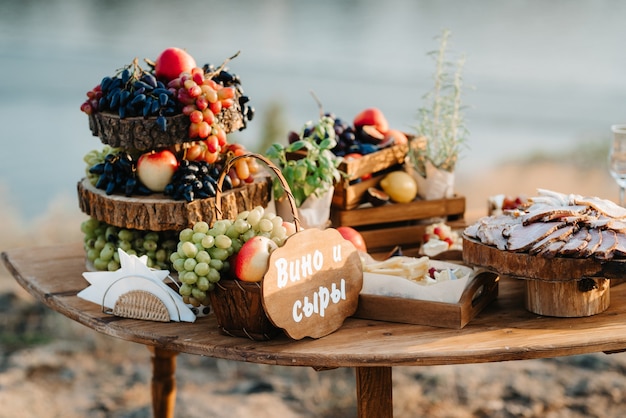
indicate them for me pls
(368, 133)
(164, 127)
(187, 167)
(238, 248)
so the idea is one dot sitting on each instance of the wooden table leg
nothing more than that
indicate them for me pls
(374, 392)
(163, 382)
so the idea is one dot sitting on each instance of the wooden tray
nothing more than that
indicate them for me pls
(403, 224)
(350, 191)
(161, 213)
(482, 290)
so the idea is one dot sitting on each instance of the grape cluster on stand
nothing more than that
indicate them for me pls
(203, 253)
(195, 180)
(101, 242)
(130, 93)
(118, 174)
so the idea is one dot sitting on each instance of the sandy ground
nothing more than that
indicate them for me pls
(53, 367)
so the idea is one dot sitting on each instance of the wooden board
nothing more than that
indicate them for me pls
(527, 266)
(479, 293)
(161, 213)
(313, 283)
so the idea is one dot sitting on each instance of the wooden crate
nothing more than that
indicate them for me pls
(403, 224)
(481, 291)
(364, 172)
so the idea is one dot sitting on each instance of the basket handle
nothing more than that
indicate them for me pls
(229, 164)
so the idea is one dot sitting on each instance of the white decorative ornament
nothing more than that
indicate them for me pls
(108, 289)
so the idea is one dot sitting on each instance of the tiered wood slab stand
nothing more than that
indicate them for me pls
(158, 212)
(559, 287)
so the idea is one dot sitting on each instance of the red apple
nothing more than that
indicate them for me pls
(253, 258)
(172, 62)
(155, 169)
(354, 237)
(373, 117)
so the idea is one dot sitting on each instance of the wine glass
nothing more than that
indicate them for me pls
(617, 159)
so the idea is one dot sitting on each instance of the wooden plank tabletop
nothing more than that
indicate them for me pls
(505, 330)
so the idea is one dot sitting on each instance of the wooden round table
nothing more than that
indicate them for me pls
(505, 330)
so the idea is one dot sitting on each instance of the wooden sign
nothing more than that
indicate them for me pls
(313, 283)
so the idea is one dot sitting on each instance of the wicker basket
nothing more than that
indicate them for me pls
(238, 305)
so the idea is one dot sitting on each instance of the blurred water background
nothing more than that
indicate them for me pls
(545, 76)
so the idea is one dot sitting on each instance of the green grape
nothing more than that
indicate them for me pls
(201, 269)
(201, 227)
(161, 255)
(231, 232)
(254, 217)
(188, 277)
(223, 242)
(185, 234)
(189, 249)
(125, 245)
(243, 215)
(265, 225)
(203, 283)
(198, 294)
(208, 241)
(150, 245)
(198, 237)
(185, 290)
(190, 264)
(89, 226)
(100, 264)
(151, 236)
(219, 228)
(279, 232)
(113, 265)
(92, 254)
(203, 257)
(235, 246)
(219, 253)
(213, 275)
(179, 264)
(269, 215)
(216, 264)
(100, 243)
(248, 234)
(241, 226)
(125, 235)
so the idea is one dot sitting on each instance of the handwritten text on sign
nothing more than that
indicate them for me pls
(313, 283)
